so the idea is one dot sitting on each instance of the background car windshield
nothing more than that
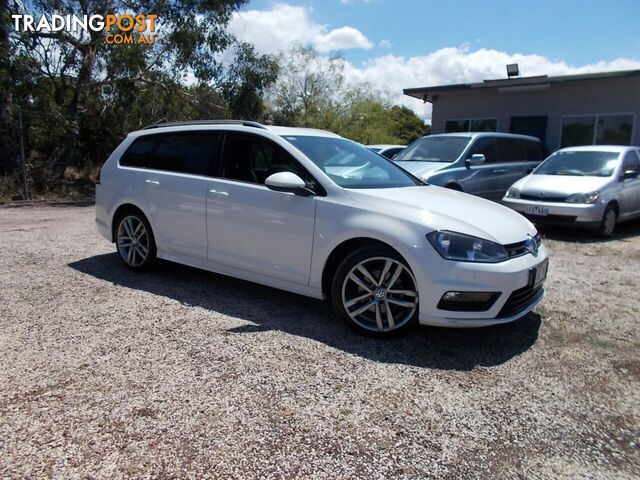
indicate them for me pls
(434, 149)
(351, 165)
(579, 163)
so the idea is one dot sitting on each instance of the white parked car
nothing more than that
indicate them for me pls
(593, 186)
(388, 151)
(315, 214)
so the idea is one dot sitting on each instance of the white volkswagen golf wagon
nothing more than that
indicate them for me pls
(315, 214)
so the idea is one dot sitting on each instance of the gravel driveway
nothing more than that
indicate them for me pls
(180, 373)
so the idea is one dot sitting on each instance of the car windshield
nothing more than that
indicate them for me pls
(434, 149)
(351, 165)
(579, 163)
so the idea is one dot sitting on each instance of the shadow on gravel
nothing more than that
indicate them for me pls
(623, 232)
(270, 309)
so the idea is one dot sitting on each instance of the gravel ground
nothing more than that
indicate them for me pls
(180, 373)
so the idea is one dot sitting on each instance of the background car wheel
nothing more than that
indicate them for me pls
(608, 224)
(453, 186)
(375, 292)
(134, 241)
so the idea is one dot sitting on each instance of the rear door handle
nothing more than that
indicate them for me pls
(152, 182)
(218, 193)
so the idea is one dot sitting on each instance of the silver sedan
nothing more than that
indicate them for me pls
(594, 186)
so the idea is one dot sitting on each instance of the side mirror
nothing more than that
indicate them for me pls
(627, 174)
(476, 159)
(287, 182)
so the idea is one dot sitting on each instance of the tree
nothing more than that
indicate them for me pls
(312, 91)
(71, 70)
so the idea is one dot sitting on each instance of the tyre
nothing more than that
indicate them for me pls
(608, 223)
(375, 292)
(134, 241)
(453, 186)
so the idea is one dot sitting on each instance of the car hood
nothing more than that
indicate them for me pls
(421, 169)
(440, 208)
(560, 185)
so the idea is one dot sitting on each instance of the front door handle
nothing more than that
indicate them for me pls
(218, 193)
(152, 182)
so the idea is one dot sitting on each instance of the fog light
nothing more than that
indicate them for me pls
(468, 301)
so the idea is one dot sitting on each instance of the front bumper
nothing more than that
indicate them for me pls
(577, 213)
(505, 277)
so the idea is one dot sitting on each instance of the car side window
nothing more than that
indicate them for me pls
(532, 151)
(510, 150)
(140, 152)
(630, 161)
(186, 152)
(249, 158)
(485, 146)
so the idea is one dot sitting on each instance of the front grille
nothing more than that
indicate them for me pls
(551, 218)
(519, 300)
(541, 198)
(520, 248)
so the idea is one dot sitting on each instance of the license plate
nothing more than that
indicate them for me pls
(536, 210)
(539, 274)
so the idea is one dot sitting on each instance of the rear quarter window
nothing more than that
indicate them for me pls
(140, 152)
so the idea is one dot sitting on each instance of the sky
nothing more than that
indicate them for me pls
(396, 44)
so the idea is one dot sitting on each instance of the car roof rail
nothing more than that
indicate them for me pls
(246, 123)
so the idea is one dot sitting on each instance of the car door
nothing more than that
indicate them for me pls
(478, 179)
(629, 187)
(252, 227)
(175, 186)
(510, 167)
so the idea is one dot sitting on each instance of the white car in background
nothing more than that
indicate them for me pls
(315, 214)
(592, 186)
(388, 151)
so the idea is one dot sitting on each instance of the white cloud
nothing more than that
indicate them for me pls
(390, 74)
(342, 39)
(277, 29)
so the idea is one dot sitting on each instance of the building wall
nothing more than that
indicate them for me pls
(613, 95)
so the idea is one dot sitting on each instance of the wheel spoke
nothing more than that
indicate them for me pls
(124, 241)
(402, 303)
(366, 274)
(353, 301)
(385, 271)
(141, 251)
(131, 255)
(128, 227)
(408, 293)
(362, 309)
(395, 276)
(390, 321)
(359, 282)
(379, 318)
(139, 230)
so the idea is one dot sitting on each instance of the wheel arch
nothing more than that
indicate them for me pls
(121, 210)
(340, 252)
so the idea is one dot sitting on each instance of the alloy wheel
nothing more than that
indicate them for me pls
(609, 221)
(379, 294)
(133, 241)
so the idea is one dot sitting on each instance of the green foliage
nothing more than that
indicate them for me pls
(312, 91)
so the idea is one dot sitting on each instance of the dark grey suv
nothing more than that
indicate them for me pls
(483, 164)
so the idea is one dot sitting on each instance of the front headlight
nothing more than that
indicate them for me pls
(465, 248)
(513, 193)
(591, 197)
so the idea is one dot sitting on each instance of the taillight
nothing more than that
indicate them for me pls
(98, 176)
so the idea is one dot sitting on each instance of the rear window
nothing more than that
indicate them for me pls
(183, 152)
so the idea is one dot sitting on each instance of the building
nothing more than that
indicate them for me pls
(595, 108)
